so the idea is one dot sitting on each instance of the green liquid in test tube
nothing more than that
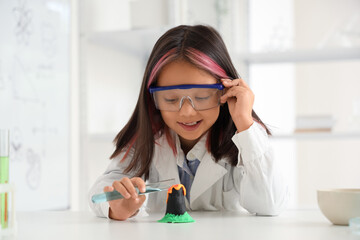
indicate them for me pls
(4, 175)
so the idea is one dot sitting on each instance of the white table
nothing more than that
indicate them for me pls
(292, 224)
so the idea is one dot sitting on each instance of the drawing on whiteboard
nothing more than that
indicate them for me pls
(33, 175)
(43, 133)
(49, 39)
(45, 71)
(34, 94)
(16, 145)
(23, 18)
(22, 84)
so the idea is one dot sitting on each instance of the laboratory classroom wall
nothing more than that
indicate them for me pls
(91, 68)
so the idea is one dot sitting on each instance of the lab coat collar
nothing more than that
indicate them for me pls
(197, 152)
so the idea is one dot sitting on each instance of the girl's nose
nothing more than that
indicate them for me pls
(187, 109)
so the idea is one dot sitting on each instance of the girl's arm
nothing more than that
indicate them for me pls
(262, 188)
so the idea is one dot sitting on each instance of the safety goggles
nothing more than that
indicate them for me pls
(200, 96)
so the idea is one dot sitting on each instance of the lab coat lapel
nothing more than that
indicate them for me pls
(165, 164)
(208, 173)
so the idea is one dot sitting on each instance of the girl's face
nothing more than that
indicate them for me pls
(188, 123)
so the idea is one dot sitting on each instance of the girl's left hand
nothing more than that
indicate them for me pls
(240, 100)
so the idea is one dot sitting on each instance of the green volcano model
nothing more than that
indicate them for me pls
(175, 208)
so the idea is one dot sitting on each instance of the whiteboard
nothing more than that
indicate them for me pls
(34, 99)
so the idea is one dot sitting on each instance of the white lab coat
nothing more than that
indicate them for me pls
(255, 184)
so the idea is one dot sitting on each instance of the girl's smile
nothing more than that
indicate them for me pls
(190, 126)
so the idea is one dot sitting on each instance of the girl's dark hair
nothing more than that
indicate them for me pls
(191, 44)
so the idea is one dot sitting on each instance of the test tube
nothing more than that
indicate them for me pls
(4, 175)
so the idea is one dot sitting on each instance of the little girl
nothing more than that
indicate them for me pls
(193, 122)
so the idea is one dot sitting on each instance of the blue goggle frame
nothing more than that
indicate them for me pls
(186, 86)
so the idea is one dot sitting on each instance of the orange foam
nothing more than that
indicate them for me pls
(177, 187)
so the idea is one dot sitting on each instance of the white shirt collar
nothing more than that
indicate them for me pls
(197, 152)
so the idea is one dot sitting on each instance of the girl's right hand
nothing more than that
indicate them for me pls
(122, 209)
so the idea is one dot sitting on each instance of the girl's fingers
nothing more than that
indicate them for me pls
(121, 189)
(232, 92)
(139, 182)
(231, 83)
(108, 189)
(227, 83)
(126, 187)
(127, 183)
